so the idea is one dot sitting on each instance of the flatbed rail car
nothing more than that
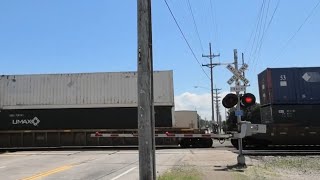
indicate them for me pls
(54, 110)
(104, 137)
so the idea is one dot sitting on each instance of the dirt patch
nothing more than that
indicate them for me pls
(282, 167)
(221, 164)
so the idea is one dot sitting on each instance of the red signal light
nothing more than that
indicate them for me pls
(248, 100)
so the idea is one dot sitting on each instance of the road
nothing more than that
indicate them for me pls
(111, 164)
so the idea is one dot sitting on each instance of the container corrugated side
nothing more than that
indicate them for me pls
(308, 85)
(290, 86)
(186, 119)
(306, 115)
(278, 86)
(83, 90)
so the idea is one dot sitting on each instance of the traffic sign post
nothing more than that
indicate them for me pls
(238, 88)
(237, 74)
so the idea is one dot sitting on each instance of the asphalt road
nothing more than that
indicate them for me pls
(111, 164)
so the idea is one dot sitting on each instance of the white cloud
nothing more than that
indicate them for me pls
(199, 102)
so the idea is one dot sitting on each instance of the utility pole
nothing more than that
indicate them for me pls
(145, 93)
(240, 158)
(217, 109)
(211, 65)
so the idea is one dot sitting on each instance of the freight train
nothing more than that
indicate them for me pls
(89, 109)
(289, 106)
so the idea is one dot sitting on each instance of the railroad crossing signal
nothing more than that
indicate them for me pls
(246, 100)
(237, 74)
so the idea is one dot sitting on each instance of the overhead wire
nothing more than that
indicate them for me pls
(258, 49)
(253, 29)
(261, 29)
(297, 31)
(184, 37)
(265, 32)
(195, 25)
(256, 31)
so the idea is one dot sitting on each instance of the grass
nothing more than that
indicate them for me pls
(181, 174)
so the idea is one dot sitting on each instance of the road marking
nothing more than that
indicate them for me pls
(126, 172)
(2, 167)
(44, 174)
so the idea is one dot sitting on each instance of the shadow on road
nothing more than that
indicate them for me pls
(232, 168)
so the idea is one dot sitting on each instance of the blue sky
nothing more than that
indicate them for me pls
(60, 36)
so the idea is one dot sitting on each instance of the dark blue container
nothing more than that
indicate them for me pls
(308, 85)
(289, 86)
(277, 86)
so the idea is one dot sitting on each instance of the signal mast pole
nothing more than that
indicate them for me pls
(240, 158)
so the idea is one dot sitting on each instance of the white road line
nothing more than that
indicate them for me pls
(1, 167)
(117, 177)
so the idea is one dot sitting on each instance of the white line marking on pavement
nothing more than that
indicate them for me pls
(117, 177)
(2, 167)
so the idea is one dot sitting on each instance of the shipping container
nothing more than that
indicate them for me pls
(277, 86)
(79, 118)
(289, 86)
(300, 115)
(83, 90)
(186, 119)
(308, 85)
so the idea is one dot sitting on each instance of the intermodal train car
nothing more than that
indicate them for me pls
(290, 106)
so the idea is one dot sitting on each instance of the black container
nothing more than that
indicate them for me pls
(89, 118)
(300, 115)
(289, 86)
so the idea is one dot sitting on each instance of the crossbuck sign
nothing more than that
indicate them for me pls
(237, 74)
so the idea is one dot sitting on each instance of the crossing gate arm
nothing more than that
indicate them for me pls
(166, 135)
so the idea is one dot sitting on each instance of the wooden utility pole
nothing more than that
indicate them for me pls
(211, 65)
(217, 109)
(146, 121)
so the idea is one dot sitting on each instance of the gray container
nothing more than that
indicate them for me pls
(83, 90)
(289, 86)
(186, 119)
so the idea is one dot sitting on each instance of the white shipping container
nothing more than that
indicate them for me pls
(186, 119)
(83, 90)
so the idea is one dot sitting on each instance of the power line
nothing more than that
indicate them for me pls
(195, 25)
(259, 45)
(184, 37)
(256, 30)
(261, 30)
(296, 32)
(253, 30)
(266, 30)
